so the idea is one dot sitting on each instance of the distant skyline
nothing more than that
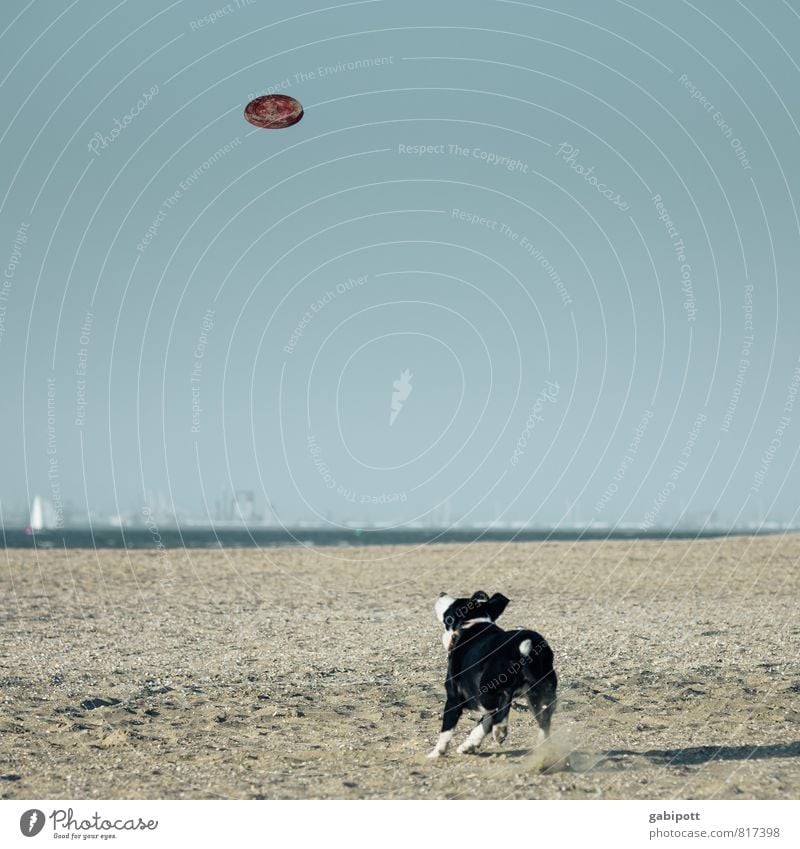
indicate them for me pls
(515, 264)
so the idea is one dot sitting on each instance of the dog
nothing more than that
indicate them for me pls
(487, 668)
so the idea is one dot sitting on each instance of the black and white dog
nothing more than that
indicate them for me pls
(488, 668)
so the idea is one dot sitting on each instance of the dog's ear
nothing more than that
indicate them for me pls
(480, 597)
(496, 605)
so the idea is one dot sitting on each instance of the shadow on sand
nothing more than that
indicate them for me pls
(703, 754)
(615, 759)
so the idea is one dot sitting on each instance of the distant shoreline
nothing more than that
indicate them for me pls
(203, 537)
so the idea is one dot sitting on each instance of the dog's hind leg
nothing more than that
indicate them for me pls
(494, 714)
(542, 699)
(500, 726)
(473, 742)
(452, 712)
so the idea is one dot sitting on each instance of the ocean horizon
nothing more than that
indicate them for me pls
(192, 536)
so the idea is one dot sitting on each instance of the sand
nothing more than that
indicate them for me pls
(300, 673)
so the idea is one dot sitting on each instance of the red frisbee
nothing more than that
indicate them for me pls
(273, 111)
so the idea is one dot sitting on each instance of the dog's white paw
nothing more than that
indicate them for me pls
(467, 748)
(435, 753)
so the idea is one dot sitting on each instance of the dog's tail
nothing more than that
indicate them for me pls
(534, 647)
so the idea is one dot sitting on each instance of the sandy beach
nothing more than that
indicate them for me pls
(318, 673)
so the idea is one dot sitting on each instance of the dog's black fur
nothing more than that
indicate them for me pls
(488, 668)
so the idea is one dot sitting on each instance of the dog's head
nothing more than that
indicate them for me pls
(458, 613)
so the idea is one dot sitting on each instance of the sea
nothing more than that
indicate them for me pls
(270, 537)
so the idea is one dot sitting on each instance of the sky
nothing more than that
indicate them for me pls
(518, 262)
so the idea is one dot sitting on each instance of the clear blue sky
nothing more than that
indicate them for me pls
(550, 216)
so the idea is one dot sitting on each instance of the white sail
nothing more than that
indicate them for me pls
(37, 514)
